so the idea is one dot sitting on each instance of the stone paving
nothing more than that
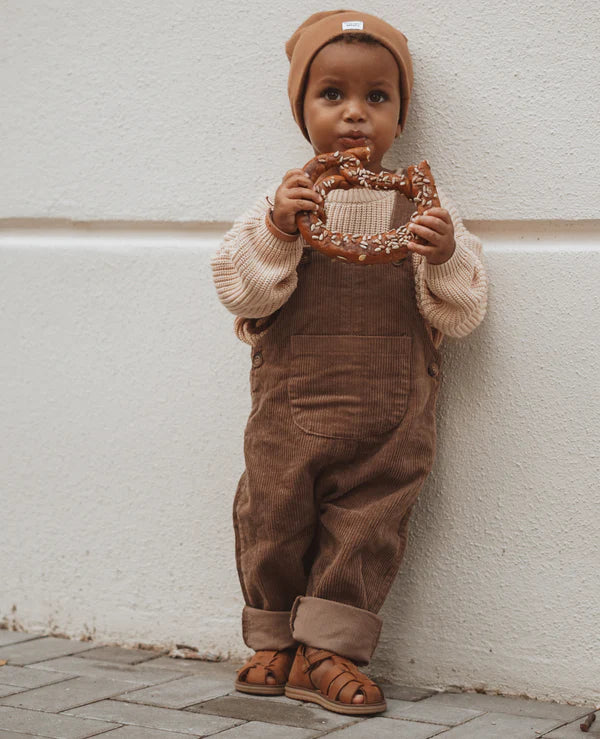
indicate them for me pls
(68, 689)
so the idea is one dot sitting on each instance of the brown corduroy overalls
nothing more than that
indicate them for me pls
(340, 438)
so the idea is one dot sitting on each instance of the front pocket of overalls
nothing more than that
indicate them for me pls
(349, 387)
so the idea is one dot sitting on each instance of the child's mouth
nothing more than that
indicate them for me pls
(351, 141)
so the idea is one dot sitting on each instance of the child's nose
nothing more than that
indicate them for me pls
(354, 112)
(354, 107)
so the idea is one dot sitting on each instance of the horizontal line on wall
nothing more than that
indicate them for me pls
(501, 235)
(78, 228)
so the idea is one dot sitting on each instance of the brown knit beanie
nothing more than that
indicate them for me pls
(320, 28)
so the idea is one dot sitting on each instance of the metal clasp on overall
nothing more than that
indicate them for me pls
(306, 255)
(433, 369)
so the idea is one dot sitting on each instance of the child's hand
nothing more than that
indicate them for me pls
(437, 228)
(295, 193)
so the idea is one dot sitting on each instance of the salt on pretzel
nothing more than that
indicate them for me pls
(416, 183)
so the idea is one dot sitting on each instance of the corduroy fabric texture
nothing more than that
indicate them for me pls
(340, 438)
(318, 29)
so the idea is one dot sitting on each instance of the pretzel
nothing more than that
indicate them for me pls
(416, 183)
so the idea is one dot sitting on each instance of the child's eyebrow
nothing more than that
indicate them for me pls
(338, 80)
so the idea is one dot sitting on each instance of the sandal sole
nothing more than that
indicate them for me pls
(314, 696)
(258, 689)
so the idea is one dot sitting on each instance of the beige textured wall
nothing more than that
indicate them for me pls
(123, 392)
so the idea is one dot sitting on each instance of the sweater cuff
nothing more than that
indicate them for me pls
(283, 235)
(276, 255)
(459, 262)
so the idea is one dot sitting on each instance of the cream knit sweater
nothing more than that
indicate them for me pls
(254, 271)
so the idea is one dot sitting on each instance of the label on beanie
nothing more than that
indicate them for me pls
(352, 25)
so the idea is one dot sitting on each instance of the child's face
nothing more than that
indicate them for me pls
(353, 88)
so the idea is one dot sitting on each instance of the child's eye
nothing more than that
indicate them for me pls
(326, 92)
(330, 92)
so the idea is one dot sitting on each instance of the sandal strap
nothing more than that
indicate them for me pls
(315, 658)
(372, 691)
(343, 679)
(339, 682)
(349, 691)
(276, 662)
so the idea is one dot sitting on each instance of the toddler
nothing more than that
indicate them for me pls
(345, 371)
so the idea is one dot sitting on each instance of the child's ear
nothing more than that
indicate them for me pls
(398, 130)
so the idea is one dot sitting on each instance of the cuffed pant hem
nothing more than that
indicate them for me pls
(266, 629)
(346, 630)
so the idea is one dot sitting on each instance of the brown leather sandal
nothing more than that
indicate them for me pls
(252, 677)
(337, 686)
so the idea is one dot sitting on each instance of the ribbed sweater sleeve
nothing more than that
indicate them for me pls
(452, 296)
(254, 271)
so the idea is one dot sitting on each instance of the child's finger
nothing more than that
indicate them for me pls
(302, 192)
(298, 205)
(425, 233)
(431, 221)
(438, 213)
(294, 172)
(422, 249)
(300, 180)
(298, 177)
